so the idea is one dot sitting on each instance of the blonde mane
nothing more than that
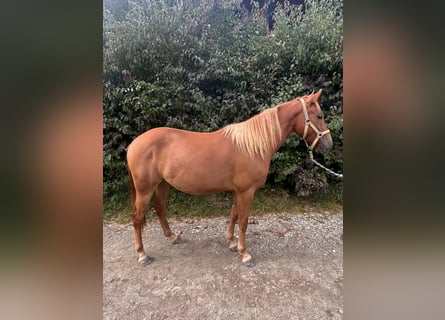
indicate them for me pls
(258, 135)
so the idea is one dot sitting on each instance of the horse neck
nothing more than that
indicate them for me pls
(289, 113)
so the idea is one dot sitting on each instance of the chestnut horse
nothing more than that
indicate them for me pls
(235, 158)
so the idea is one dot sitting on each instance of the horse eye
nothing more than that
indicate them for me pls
(319, 117)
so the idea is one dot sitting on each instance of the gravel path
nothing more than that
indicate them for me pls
(298, 272)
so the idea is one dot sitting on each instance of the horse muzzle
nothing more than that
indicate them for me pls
(324, 143)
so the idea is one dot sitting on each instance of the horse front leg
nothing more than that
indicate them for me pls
(231, 229)
(243, 203)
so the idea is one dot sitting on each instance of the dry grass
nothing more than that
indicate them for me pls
(266, 200)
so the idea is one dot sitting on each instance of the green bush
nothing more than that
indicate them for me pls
(200, 65)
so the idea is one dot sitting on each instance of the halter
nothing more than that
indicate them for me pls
(320, 134)
(307, 123)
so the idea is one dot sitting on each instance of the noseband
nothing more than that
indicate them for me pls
(307, 123)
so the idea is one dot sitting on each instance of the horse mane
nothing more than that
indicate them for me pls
(258, 135)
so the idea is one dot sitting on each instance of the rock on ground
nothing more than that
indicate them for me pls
(298, 272)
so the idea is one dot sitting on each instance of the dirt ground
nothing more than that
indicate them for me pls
(298, 272)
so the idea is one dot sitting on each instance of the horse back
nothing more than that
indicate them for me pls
(193, 162)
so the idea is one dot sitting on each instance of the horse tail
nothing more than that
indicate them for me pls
(132, 189)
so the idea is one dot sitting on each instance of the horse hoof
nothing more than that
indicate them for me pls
(177, 238)
(249, 263)
(145, 261)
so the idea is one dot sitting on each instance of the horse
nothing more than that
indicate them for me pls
(234, 158)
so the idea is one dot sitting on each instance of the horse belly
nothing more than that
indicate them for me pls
(200, 179)
(199, 173)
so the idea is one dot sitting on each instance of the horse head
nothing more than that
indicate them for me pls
(312, 127)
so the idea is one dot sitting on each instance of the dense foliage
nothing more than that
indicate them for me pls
(202, 64)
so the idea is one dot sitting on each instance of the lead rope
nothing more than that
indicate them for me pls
(311, 157)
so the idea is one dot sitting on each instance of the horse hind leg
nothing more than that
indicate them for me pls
(160, 206)
(139, 210)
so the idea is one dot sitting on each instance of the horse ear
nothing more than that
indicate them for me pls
(315, 96)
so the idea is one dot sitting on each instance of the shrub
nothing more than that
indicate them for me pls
(199, 65)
